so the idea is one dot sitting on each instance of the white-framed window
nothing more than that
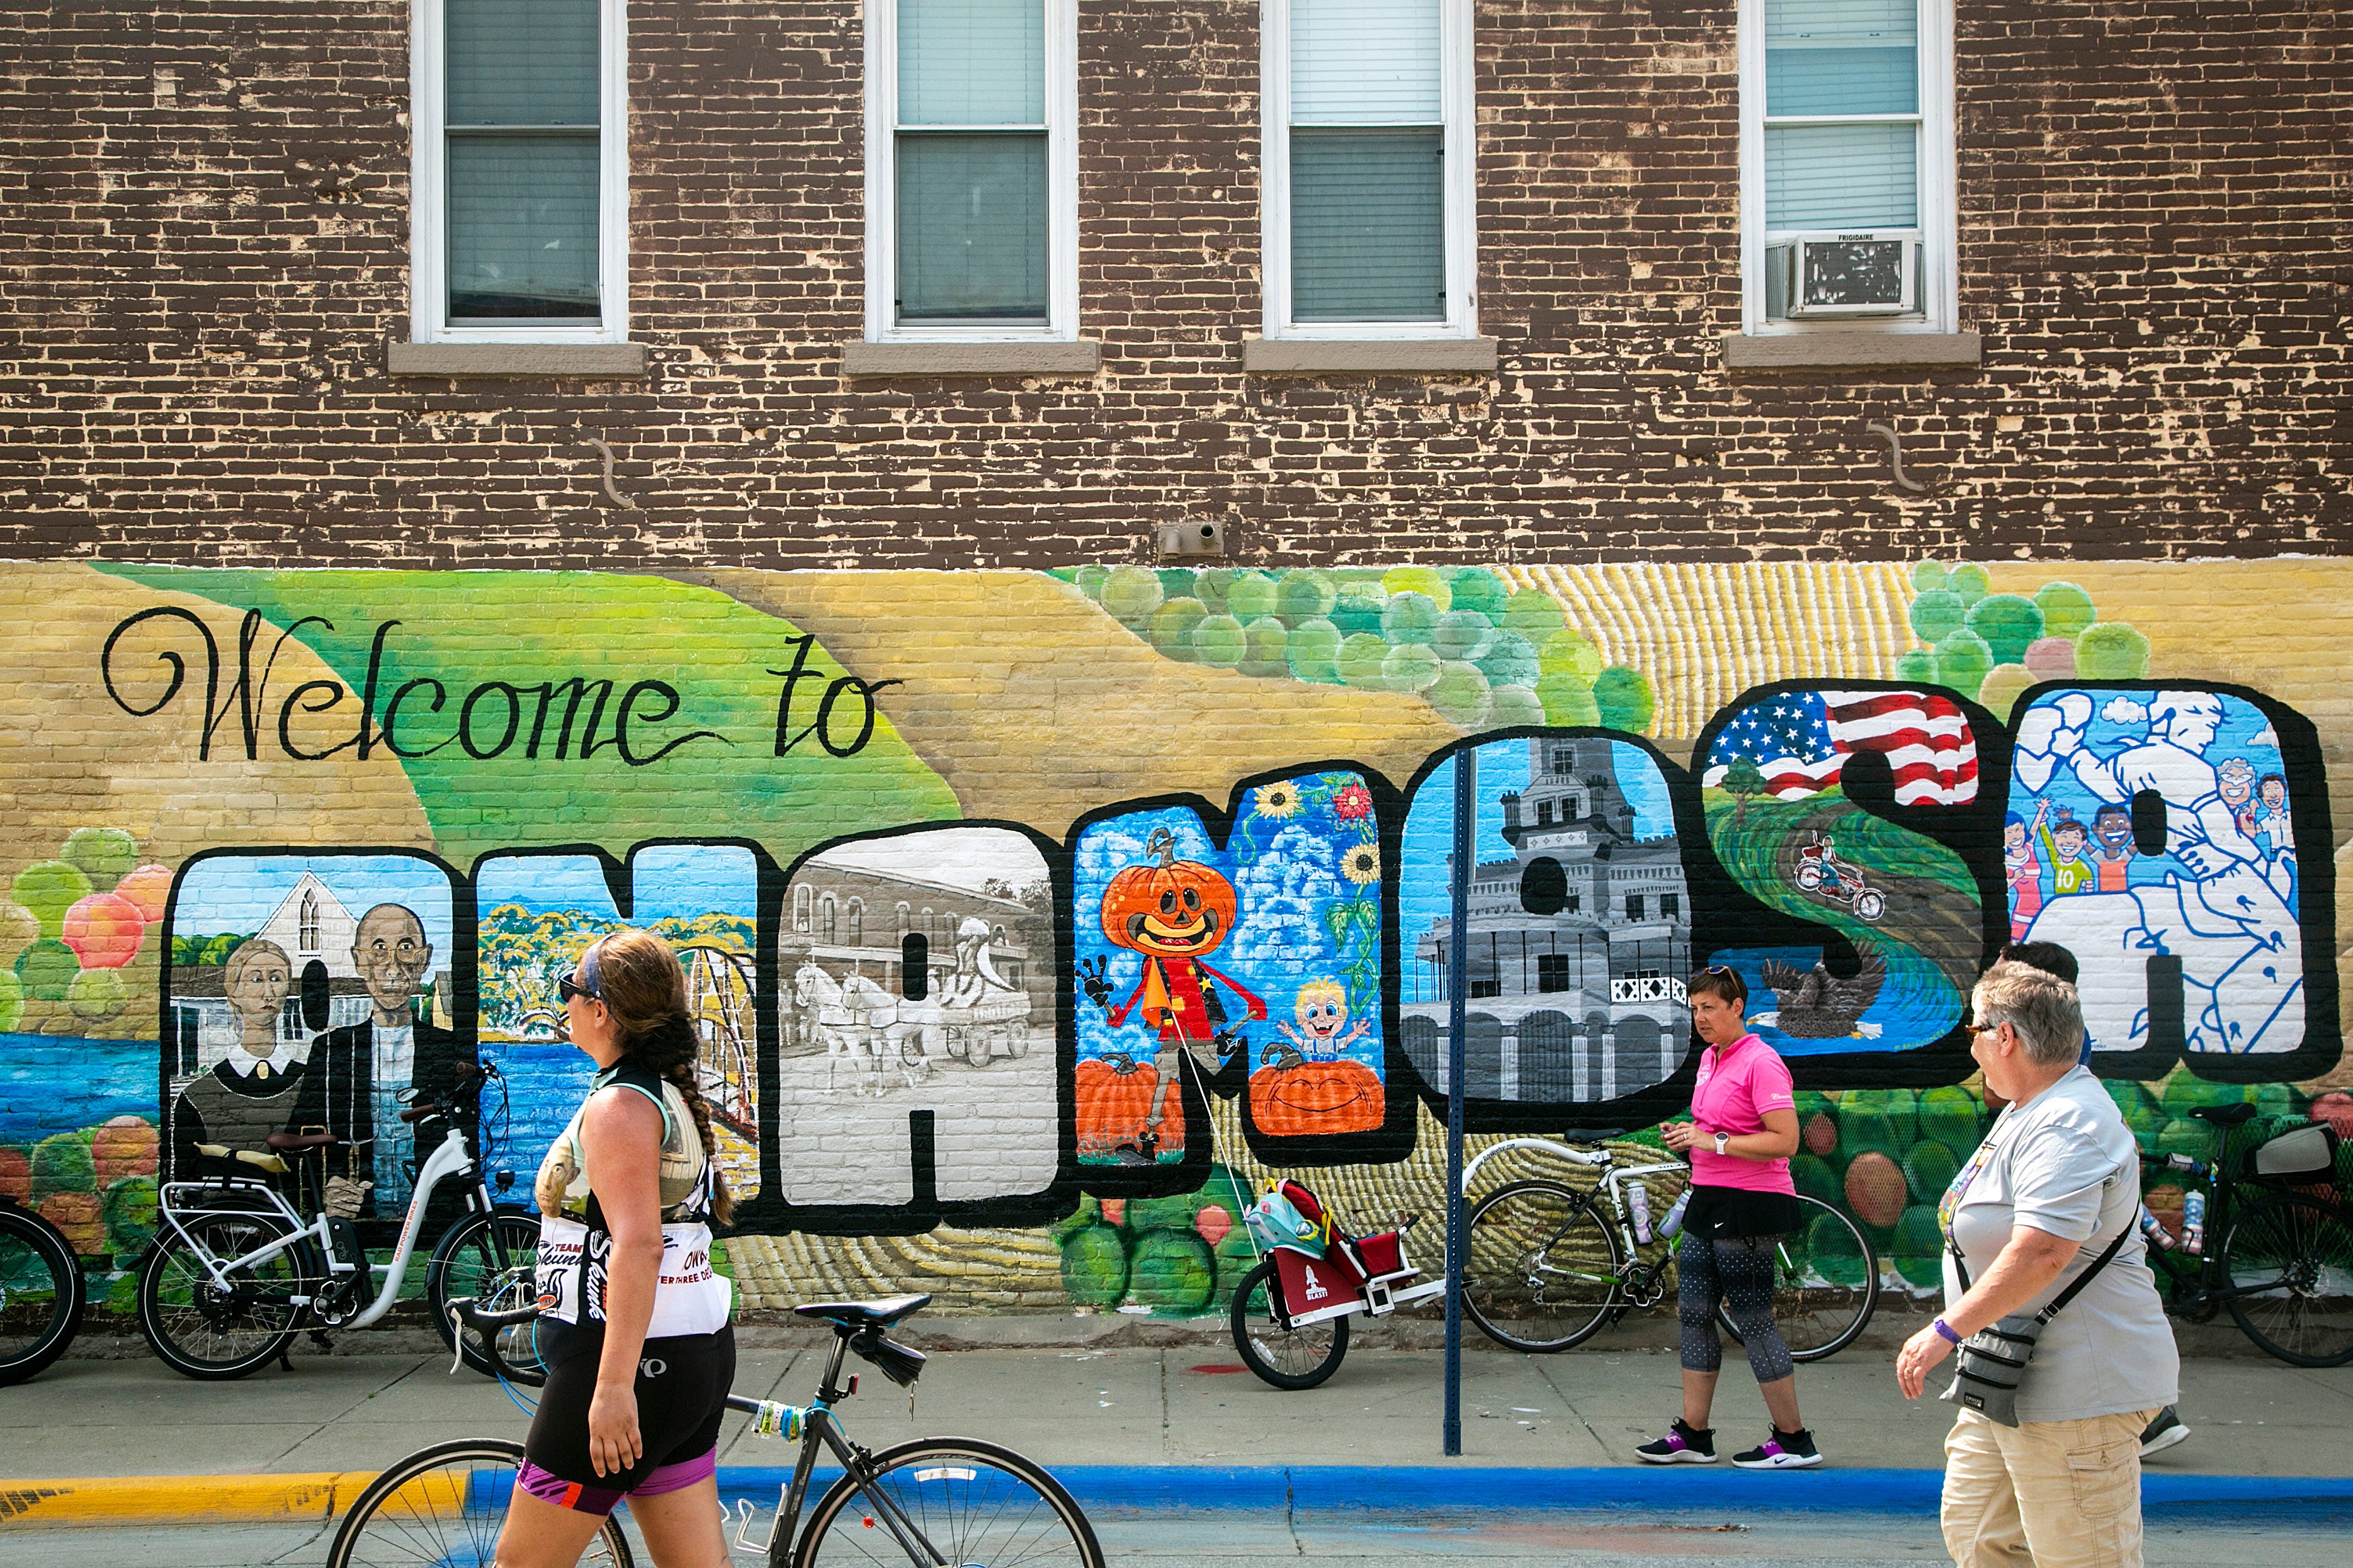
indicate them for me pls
(1370, 209)
(972, 171)
(519, 220)
(1846, 152)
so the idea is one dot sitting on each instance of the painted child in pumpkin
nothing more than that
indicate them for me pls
(1173, 911)
(1322, 1010)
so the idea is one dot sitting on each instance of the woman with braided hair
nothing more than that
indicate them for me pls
(634, 1320)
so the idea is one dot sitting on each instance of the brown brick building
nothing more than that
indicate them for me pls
(2138, 347)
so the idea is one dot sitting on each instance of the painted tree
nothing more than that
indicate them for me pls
(1742, 779)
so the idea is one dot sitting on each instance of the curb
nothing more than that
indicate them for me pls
(1169, 1488)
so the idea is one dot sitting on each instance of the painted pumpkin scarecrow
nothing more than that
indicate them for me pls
(1173, 911)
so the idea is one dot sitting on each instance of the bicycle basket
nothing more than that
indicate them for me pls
(1275, 1221)
(2308, 1150)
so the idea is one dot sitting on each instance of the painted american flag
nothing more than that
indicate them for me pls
(1800, 740)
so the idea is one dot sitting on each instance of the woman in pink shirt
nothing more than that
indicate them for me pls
(1743, 1128)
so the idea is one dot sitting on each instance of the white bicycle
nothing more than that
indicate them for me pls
(1548, 1264)
(235, 1273)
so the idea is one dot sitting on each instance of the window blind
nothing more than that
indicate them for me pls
(1843, 177)
(1366, 165)
(1367, 225)
(971, 227)
(522, 104)
(971, 62)
(1364, 62)
(972, 218)
(1837, 59)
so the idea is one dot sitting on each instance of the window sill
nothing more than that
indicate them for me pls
(1852, 350)
(863, 361)
(1368, 356)
(589, 362)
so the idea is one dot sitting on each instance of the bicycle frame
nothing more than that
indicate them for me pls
(820, 1425)
(448, 1159)
(1614, 1176)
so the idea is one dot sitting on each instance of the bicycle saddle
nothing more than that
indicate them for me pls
(864, 1314)
(287, 1142)
(2224, 1115)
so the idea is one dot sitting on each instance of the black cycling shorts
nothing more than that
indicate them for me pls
(682, 1385)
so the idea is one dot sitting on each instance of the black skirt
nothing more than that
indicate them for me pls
(1725, 1214)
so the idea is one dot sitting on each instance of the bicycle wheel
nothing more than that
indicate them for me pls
(41, 1294)
(2294, 1255)
(971, 1502)
(1825, 1284)
(1289, 1359)
(443, 1507)
(1541, 1272)
(491, 1258)
(202, 1331)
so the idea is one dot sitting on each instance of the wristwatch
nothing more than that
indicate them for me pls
(1721, 1139)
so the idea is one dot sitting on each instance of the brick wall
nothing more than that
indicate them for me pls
(203, 253)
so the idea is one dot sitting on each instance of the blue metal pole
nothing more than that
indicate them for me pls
(1462, 868)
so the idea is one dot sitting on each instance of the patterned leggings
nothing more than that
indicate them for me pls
(1739, 1272)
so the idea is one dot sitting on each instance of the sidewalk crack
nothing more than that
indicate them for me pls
(1545, 1372)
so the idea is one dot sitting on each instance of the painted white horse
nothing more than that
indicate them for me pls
(857, 1018)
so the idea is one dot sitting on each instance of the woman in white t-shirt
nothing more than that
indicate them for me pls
(634, 1321)
(2056, 1180)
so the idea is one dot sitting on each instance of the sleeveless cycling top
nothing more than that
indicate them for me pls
(576, 1247)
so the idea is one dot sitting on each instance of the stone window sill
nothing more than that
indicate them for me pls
(1852, 350)
(864, 361)
(588, 362)
(1368, 356)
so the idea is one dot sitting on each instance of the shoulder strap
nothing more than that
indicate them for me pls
(2074, 1286)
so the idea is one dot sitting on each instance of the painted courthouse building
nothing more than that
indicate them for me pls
(547, 463)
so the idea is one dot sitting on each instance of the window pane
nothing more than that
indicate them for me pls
(971, 62)
(1367, 227)
(1358, 62)
(521, 62)
(972, 226)
(1843, 177)
(1841, 57)
(522, 228)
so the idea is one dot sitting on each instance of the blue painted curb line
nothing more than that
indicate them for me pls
(1431, 1489)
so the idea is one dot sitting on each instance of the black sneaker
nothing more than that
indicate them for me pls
(2163, 1433)
(1682, 1446)
(1781, 1451)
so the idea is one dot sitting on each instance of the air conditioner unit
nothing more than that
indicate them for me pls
(1866, 274)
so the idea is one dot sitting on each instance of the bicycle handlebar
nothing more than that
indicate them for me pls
(464, 1314)
(481, 1072)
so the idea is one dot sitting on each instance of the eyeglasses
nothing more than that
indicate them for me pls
(567, 989)
(1721, 969)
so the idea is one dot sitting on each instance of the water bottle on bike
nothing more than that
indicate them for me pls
(1672, 1226)
(1638, 1204)
(2153, 1232)
(2193, 1225)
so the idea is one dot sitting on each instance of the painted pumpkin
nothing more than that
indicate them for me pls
(1876, 1190)
(1168, 907)
(126, 1146)
(1114, 1096)
(1307, 1100)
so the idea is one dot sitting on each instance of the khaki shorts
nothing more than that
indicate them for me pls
(2057, 1494)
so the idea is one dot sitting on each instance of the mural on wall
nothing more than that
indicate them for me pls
(2151, 833)
(1851, 813)
(389, 806)
(537, 914)
(1580, 933)
(918, 1065)
(1251, 966)
(308, 993)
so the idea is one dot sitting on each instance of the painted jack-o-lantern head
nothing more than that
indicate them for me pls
(1170, 909)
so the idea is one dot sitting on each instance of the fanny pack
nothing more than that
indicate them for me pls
(1991, 1364)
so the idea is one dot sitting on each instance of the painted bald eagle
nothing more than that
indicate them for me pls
(1816, 1005)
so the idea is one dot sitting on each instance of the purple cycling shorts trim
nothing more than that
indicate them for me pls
(547, 1488)
(679, 1477)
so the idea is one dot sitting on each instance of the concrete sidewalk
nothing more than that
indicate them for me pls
(1168, 1426)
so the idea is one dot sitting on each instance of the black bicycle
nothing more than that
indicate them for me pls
(2282, 1266)
(42, 1292)
(930, 1502)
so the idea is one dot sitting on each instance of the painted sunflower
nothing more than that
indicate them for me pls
(1276, 800)
(1362, 865)
(1353, 804)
